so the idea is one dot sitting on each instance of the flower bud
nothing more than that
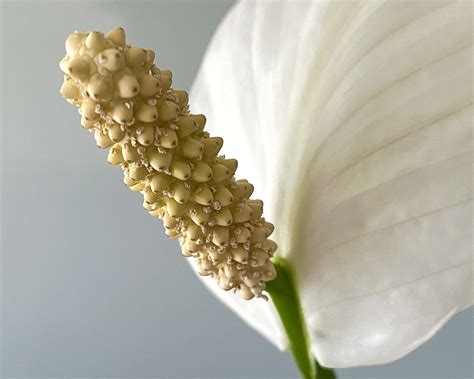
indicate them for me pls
(201, 121)
(269, 228)
(220, 236)
(214, 254)
(116, 133)
(168, 138)
(239, 254)
(146, 134)
(231, 165)
(189, 248)
(79, 69)
(223, 217)
(202, 172)
(208, 265)
(87, 123)
(63, 65)
(95, 41)
(181, 192)
(135, 57)
(245, 292)
(242, 213)
(99, 90)
(159, 161)
(102, 139)
(203, 196)
(257, 208)
(172, 233)
(130, 153)
(181, 97)
(138, 187)
(259, 234)
(109, 61)
(180, 169)
(168, 111)
(198, 216)
(212, 146)
(150, 197)
(115, 157)
(186, 126)
(70, 91)
(168, 221)
(242, 189)
(149, 85)
(156, 213)
(241, 234)
(117, 36)
(269, 246)
(193, 232)
(73, 42)
(166, 79)
(128, 87)
(151, 56)
(219, 172)
(231, 270)
(137, 171)
(223, 196)
(251, 280)
(146, 113)
(174, 208)
(128, 181)
(159, 182)
(258, 258)
(122, 114)
(88, 109)
(269, 272)
(225, 283)
(191, 148)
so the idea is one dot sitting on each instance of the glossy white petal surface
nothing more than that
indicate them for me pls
(354, 122)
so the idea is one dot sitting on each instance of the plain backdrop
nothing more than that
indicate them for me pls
(90, 285)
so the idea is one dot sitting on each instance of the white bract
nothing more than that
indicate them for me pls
(354, 122)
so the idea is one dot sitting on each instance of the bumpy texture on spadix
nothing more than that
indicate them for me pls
(128, 103)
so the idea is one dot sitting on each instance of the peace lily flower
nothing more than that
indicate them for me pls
(354, 122)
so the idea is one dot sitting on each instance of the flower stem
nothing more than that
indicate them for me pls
(285, 297)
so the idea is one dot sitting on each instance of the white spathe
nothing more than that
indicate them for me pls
(354, 122)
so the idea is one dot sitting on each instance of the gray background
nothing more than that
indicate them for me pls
(90, 285)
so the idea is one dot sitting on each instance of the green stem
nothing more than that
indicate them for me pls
(285, 297)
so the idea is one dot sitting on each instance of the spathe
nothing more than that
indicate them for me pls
(354, 122)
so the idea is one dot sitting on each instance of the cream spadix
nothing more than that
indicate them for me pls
(354, 122)
(128, 103)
